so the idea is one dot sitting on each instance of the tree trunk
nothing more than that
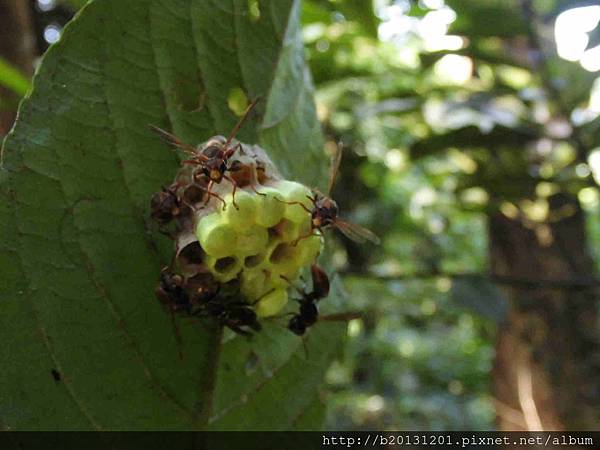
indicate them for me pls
(17, 46)
(547, 369)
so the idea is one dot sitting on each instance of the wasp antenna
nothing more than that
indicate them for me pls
(300, 291)
(238, 125)
(334, 167)
(172, 140)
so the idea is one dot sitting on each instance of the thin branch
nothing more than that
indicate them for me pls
(522, 282)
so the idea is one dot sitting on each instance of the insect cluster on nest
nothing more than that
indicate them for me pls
(242, 235)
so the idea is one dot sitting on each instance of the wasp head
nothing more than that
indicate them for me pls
(170, 290)
(325, 212)
(214, 169)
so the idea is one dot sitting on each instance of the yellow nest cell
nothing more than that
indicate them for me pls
(258, 244)
(252, 241)
(217, 237)
(271, 303)
(270, 207)
(293, 192)
(244, 214)
(254, 282)
(310, 248)
(224, 269)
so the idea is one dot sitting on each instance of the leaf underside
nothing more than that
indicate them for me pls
(85, 344)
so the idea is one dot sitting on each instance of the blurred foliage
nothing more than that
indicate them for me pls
(11, 78)
(415, 361)
(441, 128)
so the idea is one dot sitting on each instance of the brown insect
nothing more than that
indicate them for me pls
(309, 313)
(198, 296)
(171, 291)
(324, 213)
(165, 205)
(214, 158)
(172, 294)
(234, 314)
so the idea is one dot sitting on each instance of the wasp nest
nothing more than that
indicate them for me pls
(238, 224)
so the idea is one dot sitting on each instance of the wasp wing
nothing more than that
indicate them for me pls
(356, 232)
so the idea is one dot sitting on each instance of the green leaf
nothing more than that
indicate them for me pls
(85, 343)
(362, 12)
(486, 18)
(11, 78)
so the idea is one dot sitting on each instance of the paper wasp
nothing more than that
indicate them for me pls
(309, 313)
(213, 159)
(198, 296)
(324, 211)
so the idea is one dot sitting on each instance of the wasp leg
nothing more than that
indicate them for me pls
(189, 205)
(232, 181)
(300, 291)
(231, 151)
(255, 182)
(295, 241)
(192, 161)
(213, 194)
(256, 192)
(239, 148)
(296, 203)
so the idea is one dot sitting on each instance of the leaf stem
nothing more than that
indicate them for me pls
(208, 380)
